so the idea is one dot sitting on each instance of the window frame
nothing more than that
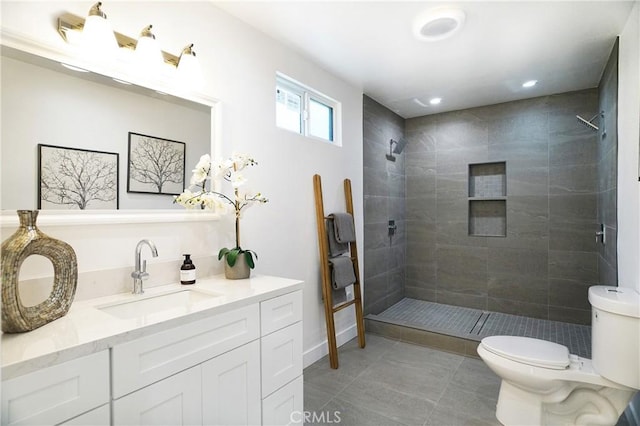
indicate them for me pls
(307, 94)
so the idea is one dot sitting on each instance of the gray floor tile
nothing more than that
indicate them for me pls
(474, 376)
(345, 414)
(475, 404)
(422, 357)
(401, 384)
(315, 398)
(445, 416)
(378, 398)
(326, 379)
(426, 383)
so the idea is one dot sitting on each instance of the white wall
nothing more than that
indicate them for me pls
(628, 142)
(240, 65)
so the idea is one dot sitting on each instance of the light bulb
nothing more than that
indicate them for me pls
(148, 54)
(97, 35)
(189, 70)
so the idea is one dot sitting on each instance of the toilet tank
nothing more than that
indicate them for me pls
(615, 334)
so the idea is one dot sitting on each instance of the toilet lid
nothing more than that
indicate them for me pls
(539, 353)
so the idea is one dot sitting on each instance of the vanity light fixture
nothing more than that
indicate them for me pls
(73, 29)
(147, 51)
(97, 34)
(189, 70)
(529, 83)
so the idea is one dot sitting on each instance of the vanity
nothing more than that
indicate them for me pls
(218, 352)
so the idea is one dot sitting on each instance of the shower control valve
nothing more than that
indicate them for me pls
(601, 234)
(392, 227)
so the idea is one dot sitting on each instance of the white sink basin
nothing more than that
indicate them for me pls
(160, 306)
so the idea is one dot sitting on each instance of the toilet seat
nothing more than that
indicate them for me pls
(525, 350)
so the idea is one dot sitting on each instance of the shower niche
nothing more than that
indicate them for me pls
(488, 199)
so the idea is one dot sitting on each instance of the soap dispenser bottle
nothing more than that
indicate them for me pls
(187, 271)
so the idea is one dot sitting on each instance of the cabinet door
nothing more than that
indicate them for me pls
(281, 358)
(97, 417)
(175, 400)
(56, 394)
(285, 406)
(231, 387)
(153, 357)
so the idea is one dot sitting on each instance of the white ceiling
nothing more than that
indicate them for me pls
(563, 45)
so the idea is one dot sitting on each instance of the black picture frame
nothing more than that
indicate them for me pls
(168, 177)
(77, 179)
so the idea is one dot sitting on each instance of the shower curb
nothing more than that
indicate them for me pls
(405, 332)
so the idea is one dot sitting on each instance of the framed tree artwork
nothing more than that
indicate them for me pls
(156, 165)
(77, 179)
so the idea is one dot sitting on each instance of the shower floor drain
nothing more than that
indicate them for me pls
(477, 327)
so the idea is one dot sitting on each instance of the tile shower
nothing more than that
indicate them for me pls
(497, 206)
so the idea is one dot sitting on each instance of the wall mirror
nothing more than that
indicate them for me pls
(45, 103)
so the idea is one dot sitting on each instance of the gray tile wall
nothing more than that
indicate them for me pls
(384, 199)
(561, 182)
(607, 155)
(548, 259)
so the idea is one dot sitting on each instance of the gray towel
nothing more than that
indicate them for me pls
(344, 227)
(335, 248)
(342, 274)
(339, 296)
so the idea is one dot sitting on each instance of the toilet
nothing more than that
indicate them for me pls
(543, 384)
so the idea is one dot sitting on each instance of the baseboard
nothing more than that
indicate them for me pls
(321, 349)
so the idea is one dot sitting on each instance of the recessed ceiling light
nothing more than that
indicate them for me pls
(435, 101)
(72, 68)
(529, 83)
(437, 24)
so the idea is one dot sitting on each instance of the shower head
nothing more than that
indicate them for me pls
(588, 123)
(400, 144)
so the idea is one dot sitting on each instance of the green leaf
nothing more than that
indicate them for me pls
(222, 253)
(232, 256)
(249, 258)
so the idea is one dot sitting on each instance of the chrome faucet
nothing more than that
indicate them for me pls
(141, 274)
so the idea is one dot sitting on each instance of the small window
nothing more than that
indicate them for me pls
(305, 111)
(288, 110)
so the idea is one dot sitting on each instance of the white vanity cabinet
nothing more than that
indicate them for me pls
(204, 372)
(237, 364)
(281, 359)
(242, 367)
(60, 393)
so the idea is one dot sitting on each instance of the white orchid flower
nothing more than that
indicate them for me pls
(237, 179)
(198, 177)
(188, 199)
(201, 171)
(204, 163)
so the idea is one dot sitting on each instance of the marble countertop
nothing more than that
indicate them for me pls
(87, 329)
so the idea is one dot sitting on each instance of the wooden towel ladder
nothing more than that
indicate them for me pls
(327, 289)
